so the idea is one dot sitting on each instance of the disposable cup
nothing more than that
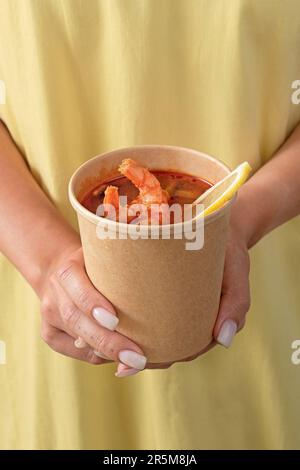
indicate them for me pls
(166, 296)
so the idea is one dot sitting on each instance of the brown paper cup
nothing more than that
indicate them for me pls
(166, 297)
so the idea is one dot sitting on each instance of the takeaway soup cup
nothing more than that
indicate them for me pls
(166, 296)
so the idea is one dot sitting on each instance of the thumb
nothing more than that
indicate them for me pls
(232, 314)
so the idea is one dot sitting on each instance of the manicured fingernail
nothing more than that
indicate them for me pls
(101, 355)
(105, 318)
(132, 359)
(227, 332)
(126, 372)
(80, 343)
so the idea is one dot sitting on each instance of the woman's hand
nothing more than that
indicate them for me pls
(47, 251)
(235, 295)
(270, 198)
(72, 308)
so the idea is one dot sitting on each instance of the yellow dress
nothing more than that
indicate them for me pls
(84, 77)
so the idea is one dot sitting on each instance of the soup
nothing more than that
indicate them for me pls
(180, 189)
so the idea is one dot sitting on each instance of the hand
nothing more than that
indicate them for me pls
(235, 295)
(79, 322)
(72, 308)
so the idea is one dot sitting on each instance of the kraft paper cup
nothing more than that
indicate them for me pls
(166, 296)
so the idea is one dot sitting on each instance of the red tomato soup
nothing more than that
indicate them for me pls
(182, 189)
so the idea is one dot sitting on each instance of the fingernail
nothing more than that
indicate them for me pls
(132, 359)
(101, 355)
(126, 372)
(105, 318)
(227, 332)
(80, 343)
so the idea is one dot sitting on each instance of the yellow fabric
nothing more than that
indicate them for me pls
(83, 77)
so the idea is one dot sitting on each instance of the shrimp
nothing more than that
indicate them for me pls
(150, 193)
(112, 207)
(150, 189)
(111, 196)
(111, 203)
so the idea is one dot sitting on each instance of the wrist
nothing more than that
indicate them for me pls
(253, 213)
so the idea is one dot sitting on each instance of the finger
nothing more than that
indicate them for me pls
(102, 355)
(80, 343)
(234, 305)
(62, 343)
(75, 282)
(111, 344)
(235, 298)
(51, 315)
(125, 371)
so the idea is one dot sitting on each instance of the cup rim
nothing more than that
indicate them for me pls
(96, 219)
